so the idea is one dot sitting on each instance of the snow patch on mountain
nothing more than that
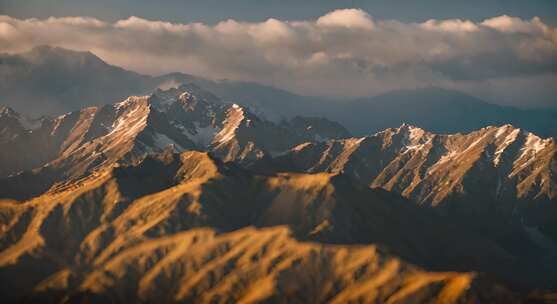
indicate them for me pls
(300, 147)
(533, 145)
(414, 138)
(57, 123)
(234, 118)
(508, 140)
(134, 119)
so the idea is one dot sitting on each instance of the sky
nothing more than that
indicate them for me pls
(213, 11)
(501, 51)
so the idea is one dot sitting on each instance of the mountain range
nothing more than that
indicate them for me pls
(52, 80)
(187, 227)
(180, 195)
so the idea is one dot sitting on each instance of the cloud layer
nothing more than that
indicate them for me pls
(344, 53)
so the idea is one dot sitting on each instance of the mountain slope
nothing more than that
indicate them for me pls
(233, 132)
(490, 173)
(76, 143)
(134, 233)
(79, 142)
(107, 210)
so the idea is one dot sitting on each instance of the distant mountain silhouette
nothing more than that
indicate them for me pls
(52, 80)
(437, 110)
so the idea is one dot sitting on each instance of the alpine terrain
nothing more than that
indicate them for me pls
(180, 196)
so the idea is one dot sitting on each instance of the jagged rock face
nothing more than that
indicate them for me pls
(134, 233)
(230, 131)
(105, 216)
(245, 137)
(124, 131)
(187, 117)
(81, 142)
(500, 168)
(27, 143)
(198, 113)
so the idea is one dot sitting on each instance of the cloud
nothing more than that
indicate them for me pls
(453, 25)
(508, 24)
(348, 18)
(343, 53)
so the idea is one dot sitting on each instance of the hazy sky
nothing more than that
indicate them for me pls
(502, 51)
(212, 11)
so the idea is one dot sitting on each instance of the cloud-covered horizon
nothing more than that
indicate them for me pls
(345, 53)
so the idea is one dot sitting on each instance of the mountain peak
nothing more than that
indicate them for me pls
(187, 94)
(409, 127)
(132, 100)
(47, 53)
(45, 49)
(7, 111)
(408, 136)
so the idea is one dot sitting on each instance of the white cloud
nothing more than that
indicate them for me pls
(343, 53)
(453, 25)
(348, 18)
(509, 24)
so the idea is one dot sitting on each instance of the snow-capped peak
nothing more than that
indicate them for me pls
(414, 137)
(130, 101)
